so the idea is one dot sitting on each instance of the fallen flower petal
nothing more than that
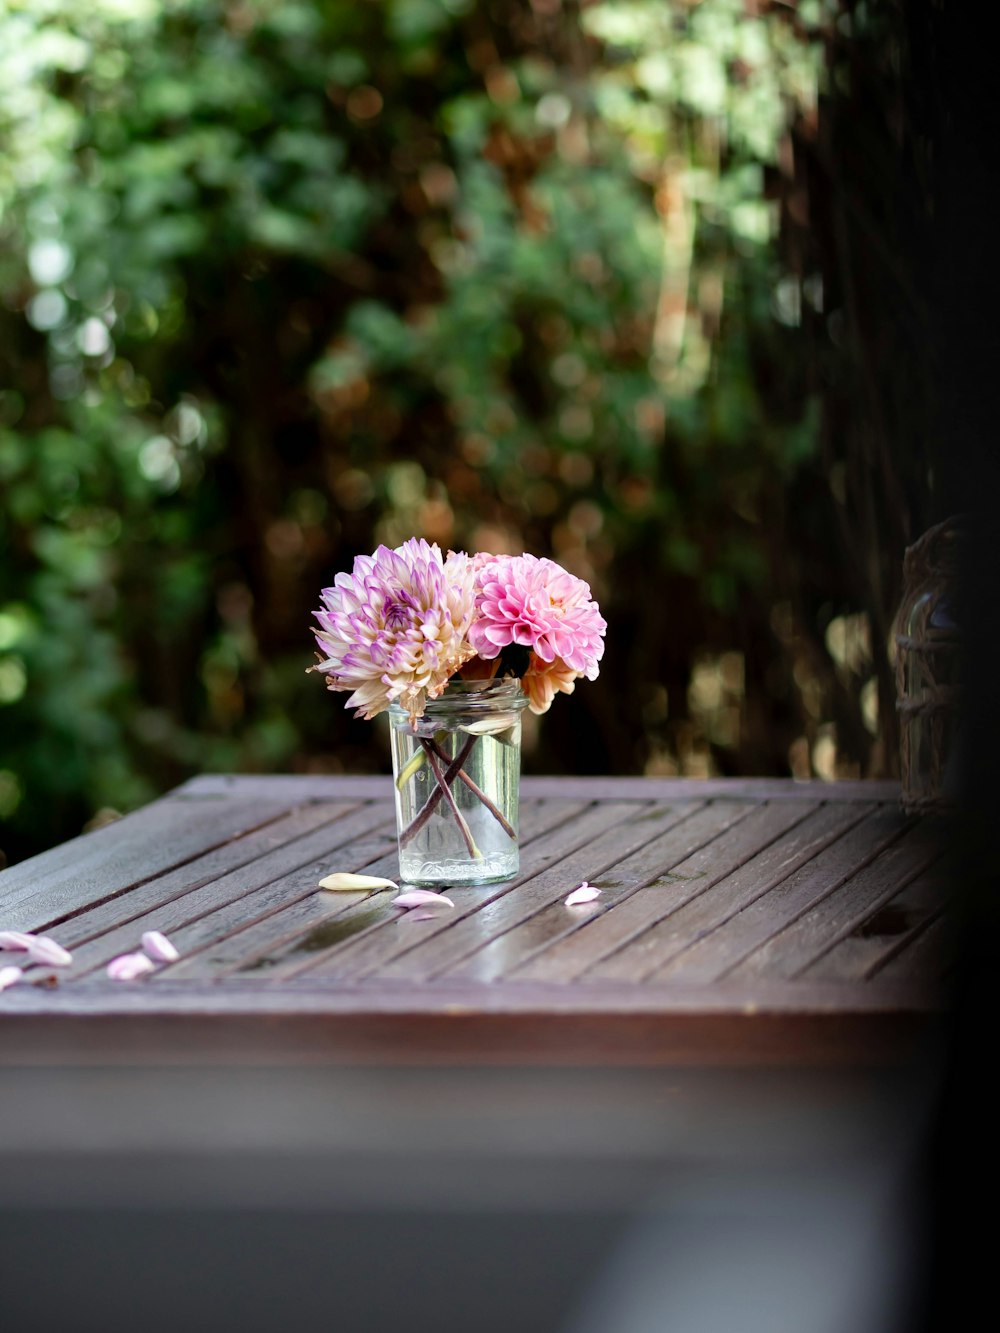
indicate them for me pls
(44, 950)
(10, 976)
(586, 893)
(16, 939)
(159, 947)
(491, 726)
(345, 883)
(129, 966)
(421, 898)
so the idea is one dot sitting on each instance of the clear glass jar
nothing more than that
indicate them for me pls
(457, 775)
(928, 668)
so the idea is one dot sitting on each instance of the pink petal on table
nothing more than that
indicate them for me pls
(129, 966)
(159, 947)
(586, 893)
(10, 976)
(16, 939)
(421, 898)
(44, 950)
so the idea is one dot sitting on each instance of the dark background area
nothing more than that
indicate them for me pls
(955, 71)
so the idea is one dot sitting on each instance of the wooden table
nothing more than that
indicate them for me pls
(740, 922)
(495, 1120)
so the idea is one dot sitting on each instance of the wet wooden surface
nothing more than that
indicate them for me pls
(740, 922)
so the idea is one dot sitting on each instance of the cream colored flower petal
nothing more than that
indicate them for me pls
(491, 726)
(342, 882)
(10, 976)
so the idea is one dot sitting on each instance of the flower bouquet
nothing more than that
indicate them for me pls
(455, 647)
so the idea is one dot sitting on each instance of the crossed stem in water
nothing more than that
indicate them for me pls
(444, 780)
(444, 787)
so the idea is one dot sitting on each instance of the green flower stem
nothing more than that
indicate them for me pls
(416, 763)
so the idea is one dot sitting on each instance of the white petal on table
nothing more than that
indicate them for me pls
(342, 882)
(586, 893)
(159, 947)
(16, 939)
(10, 976)
(129, 966)
(45, 950)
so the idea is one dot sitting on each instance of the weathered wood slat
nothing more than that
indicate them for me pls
(740, 922)
(657, 941)
(706, 960)
(254, 933)
(651, 865)
(304, 920)
(375, 932)
(99, 865)
(298, 789)
(251, 933)
(624, 833)
(363, 953)
(885, 932)
(710, 789)
(250, 892)
(746, 884)
(448, 996)
(625, 943)
(372, 939)
(261, 944)
(308, 924)
(628, 1025)
(227, 859)
(801, 942)
(254, 929)
(929, 953)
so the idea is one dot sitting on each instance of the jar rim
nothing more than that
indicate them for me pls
(475, 695)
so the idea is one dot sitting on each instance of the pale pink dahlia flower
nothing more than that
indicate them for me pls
(396, 627)
(536, 603)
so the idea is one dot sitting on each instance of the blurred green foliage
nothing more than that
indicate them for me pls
(282, 280)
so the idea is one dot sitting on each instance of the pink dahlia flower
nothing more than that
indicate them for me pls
(396, 627)
(536, 603)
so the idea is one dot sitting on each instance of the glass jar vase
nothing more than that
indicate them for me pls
(457, 775)
(928, 670)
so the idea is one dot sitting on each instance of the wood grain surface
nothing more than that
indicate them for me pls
(739, 922)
